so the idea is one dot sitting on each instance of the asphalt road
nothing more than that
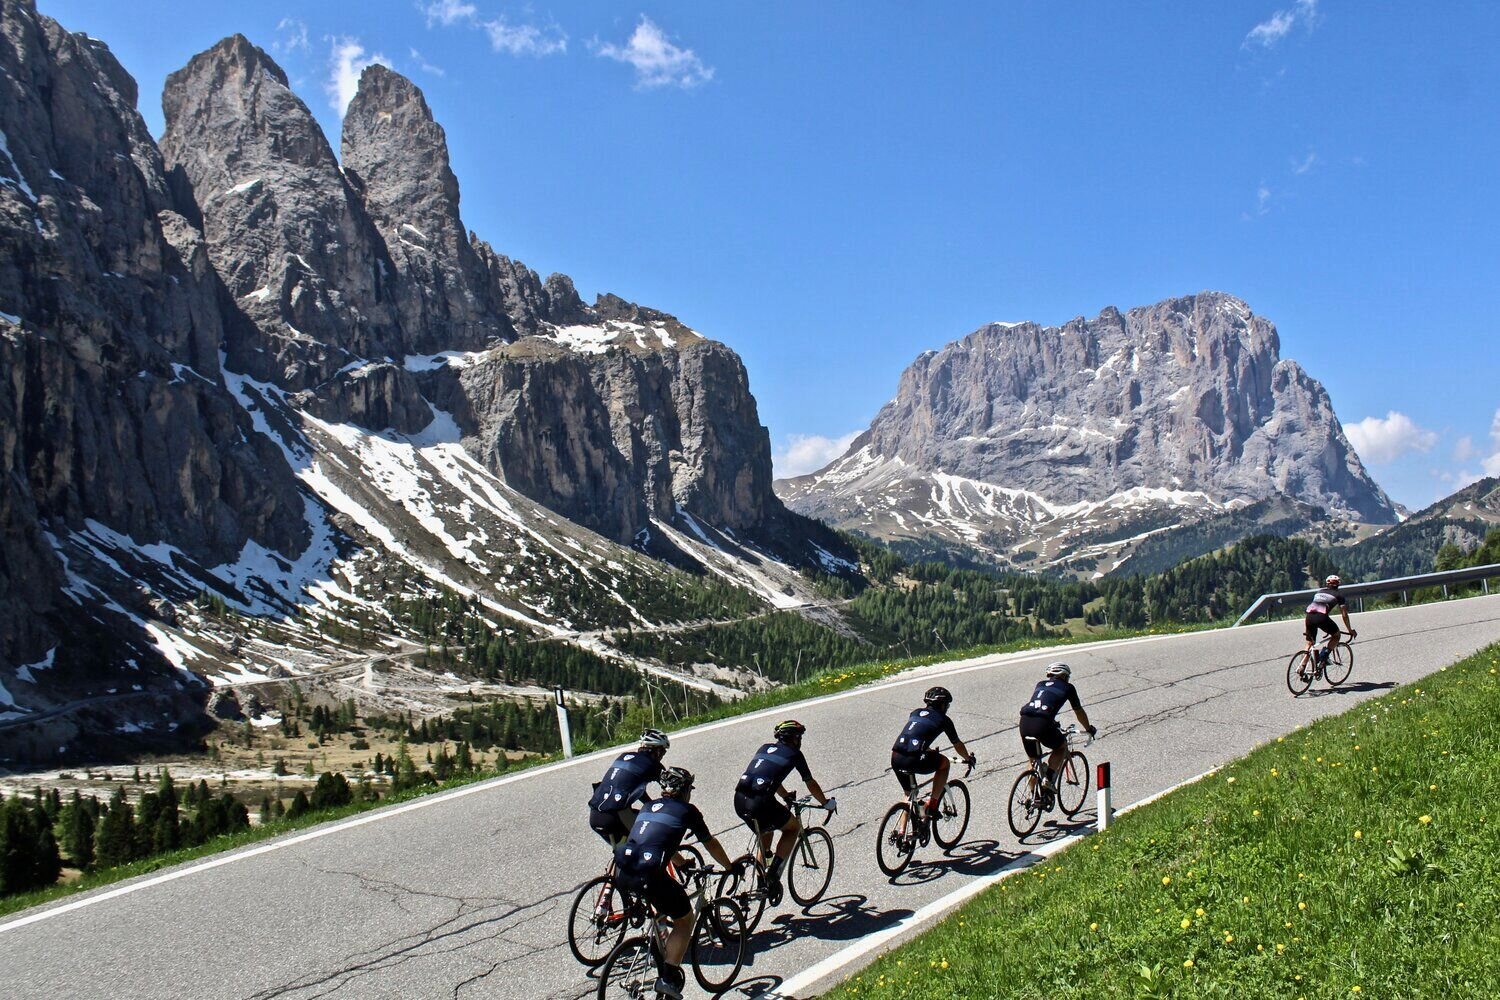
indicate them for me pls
(464, 895)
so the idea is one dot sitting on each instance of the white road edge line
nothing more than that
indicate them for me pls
(813, 975)
(918, 675)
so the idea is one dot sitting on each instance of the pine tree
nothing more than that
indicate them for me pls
(299, 805)
(265, 810)
(78, 833)
(115, 840)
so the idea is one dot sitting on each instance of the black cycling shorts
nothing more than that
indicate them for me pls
(1035, 729)
(612, 826)
(661, 890)
(1316, 620)
(761, 812)
(925, 762)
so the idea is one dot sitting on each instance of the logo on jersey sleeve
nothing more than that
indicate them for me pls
(656, 807)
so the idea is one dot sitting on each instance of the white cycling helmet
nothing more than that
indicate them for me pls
(654, 739)
(1332, 581)
(1061, 670)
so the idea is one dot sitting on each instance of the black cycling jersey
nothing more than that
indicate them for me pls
(1325, 600)
(769, 768)
(923, 727)
(657, 833)
(1049, 697)
(625, 782)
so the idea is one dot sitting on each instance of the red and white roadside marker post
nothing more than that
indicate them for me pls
(1106, 811)
(562, 723)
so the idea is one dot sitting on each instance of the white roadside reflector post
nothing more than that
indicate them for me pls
(562, 723)
(1106, 811)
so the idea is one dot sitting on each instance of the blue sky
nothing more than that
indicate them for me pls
(833, 188)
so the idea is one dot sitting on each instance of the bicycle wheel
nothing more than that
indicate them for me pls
(694, 858)
(597, 920)
(897, 840)
(743, 883)
(810, 868)
(1073, 785)
(953, 815)
(630, 971)
(1299, 672)
(717, 951)
(1025, 808)
(1340, 665)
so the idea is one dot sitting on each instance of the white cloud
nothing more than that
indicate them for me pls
(291, 36)
(347, 61)
(1262, 200)
(657, 62)
(804, 453)
(1385, 439)
(427, 67)
(1464, 449)
(448, 12)
(525, 39)
(1273, 29)
(1305, 164)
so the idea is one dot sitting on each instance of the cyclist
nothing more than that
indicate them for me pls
(641, 862)
(1319, 617)
(912, 752)
(755, 797)
(1039, 726)
(611, 808)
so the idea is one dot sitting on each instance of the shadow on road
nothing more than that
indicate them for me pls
(1056, 829)
(974, 857)
(1359, 688)
(760, 986)
(837, 918)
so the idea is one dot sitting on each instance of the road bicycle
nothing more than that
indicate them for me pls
(905, 826)
(1304, 667)
(602, 912)
(1030, 797)
(716, 952)
(808, 871)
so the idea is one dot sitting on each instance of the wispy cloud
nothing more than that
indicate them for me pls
(448, 12)
(1491, 462)
(804, 453)
(1384, 439)
(291, 36)
(1268, 33)
(1302, 166)
(656, 60)
(426, 66)
(525, 39)
(1262, 199)
(347, 60)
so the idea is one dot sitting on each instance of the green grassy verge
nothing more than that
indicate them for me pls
(811, 687)
(1354, 858)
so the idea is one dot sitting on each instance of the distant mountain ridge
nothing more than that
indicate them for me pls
(1463, 519)
(1062, 447)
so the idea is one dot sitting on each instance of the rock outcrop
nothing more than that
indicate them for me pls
(1022, 429)
(111, 407)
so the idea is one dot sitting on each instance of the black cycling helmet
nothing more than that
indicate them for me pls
(675, 781)
(789, 729)
(938, 697)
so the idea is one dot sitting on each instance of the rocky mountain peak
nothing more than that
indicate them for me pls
(1184, 405)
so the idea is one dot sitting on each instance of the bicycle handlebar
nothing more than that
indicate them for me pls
(808, 802)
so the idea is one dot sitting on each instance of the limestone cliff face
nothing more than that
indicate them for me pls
(1185, 403)
(111, 408)
(359, 281)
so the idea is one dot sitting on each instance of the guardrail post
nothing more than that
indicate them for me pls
(1445, 590)
(562, 723)
(1486, 582)
(1106, 811)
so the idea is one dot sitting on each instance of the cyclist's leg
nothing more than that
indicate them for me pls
(939, 782)
(671, 901)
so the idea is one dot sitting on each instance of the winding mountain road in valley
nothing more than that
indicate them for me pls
(465, 894)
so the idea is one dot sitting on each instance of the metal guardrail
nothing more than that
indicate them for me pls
(1374, 588)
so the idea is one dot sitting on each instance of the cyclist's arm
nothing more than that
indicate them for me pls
(951, 732)
(698, 827)
(963, 751)
(816, 791)
(1344, 610)
(1083, 717)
